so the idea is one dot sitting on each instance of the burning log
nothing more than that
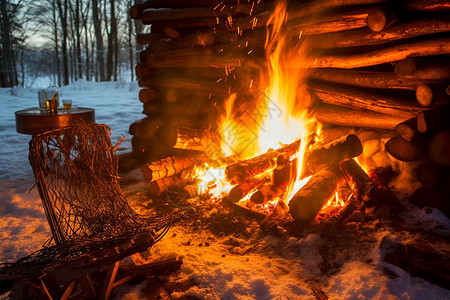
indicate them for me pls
(242, 189)
(366, 191)
(284, 171)
(331, 154)
(239, 172)
(190, 139)
(353, 97)
(337, 115)
(381, 18)
(170, 166)
(382, 80)
(308, 201)
(395, 32)
(159, 186)
(436, 46)
(344, 212)
(266, 193)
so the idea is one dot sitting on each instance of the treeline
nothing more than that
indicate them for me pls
(67, 40)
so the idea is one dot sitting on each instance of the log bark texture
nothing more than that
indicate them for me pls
(308, 201)
(337, 115)
(395, 32)
(359, 98)
(398, 52)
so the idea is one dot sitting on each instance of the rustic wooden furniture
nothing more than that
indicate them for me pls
(93, 226)
(34, 121)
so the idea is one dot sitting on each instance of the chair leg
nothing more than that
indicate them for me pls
(88, 287)
(109, 281)
(69, 290)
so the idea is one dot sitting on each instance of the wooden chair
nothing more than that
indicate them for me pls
(93, 226)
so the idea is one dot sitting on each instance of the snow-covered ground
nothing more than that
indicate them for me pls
(225, 255)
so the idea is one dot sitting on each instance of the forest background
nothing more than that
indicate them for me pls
(66, 41)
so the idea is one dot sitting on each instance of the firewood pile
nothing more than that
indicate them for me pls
(371, 64)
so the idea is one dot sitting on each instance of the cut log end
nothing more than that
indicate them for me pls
(379, 19)
(424, 94)
(403, 150)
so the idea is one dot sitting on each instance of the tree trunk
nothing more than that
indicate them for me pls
(79, 66)
(63, 18)
(130, 42)
(99, 41)
(114, 39)
(84, 16)
(55, 35)
(8, 73)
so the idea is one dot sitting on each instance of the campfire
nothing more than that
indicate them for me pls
(268, 152)
(310, 113)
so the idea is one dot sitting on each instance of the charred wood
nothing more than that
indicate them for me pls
(331, 154)
(266, 193)
(248, 168)
(308, 201)
(366, 191)
(170, 166)
(243, 188)
(424, 256)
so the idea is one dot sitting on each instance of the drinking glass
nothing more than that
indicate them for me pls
(67, 105)
(52, 105)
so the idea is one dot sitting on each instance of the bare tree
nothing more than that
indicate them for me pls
(63, 17)
(99, 40)
(8, 72)
(84, 19)
(111, 62)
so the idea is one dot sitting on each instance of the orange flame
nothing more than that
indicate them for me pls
(277, 117)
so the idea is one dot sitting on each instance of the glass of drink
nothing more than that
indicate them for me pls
(67, 105)
(52, 105)
(43, 100)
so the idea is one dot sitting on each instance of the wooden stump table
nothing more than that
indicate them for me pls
(34, 121)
